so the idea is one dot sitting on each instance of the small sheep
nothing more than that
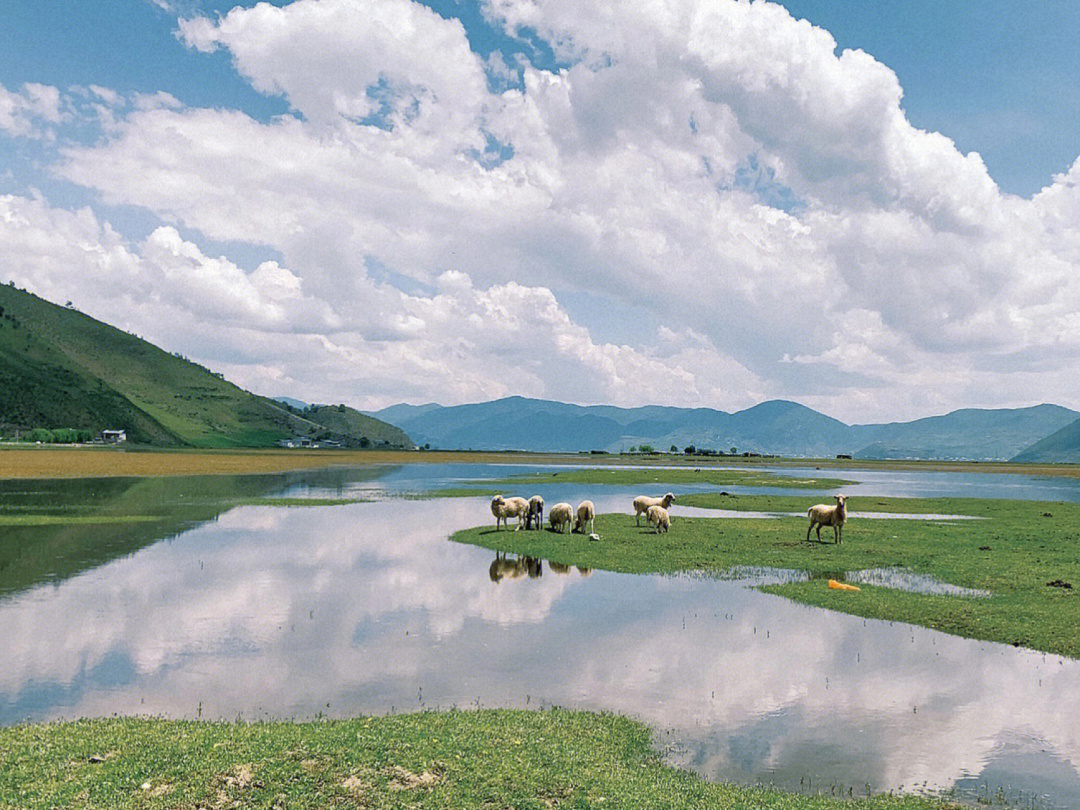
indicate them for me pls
(823, 515)
(658, 517)
(535, 518)
(643, 502)
(560, 515)
(505, 508)
(586, 514)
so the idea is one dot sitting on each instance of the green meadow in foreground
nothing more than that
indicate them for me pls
(1026, 554)
(664, 477)
(455, 759)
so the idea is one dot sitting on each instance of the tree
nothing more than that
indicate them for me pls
(690, 450)
(674, 448)
(734, 451)
(646, 448)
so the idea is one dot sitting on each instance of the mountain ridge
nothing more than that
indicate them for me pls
(780, 427)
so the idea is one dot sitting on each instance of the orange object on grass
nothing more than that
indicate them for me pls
(842, 586)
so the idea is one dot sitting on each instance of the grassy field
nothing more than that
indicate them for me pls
(96, 462)
(456, 759)
(715, 476)
(1026, 554)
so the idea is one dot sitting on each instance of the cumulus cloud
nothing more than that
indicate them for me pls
(30, 111)
(720, 164)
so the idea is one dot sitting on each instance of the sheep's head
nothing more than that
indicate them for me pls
(840, 499)
(668, 500)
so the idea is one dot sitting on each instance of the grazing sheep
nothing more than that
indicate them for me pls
(586, 514)
(822, 515)
(505, 508)
(657, 516)
(560, 515)
(643, 502)
(535, 518)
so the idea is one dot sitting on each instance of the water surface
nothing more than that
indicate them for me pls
(221, 611)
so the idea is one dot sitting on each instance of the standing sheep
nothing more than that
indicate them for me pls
(560, 515)
(535, 518)
(505, 508)
(586, 514)
(823, 515)
(658, 516)
(643, 502)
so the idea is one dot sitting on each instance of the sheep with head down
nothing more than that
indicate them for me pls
(505, 508)
(535, 518)
(586, 515)
(658, 517)
(561, 516)
(643, 502)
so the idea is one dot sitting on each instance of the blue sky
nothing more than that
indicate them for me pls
(690, 202)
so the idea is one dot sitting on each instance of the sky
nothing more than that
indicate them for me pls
(869, 208)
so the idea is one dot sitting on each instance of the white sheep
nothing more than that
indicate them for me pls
(560, 515)
(586, 514)
(658, 517)
(505, 508)
(824, 515)
(643, 502)
(535, 518)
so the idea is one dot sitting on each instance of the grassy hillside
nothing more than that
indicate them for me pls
(61, 368)
(1062, 446)
(352, 428)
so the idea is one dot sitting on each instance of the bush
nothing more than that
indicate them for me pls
(41, 435)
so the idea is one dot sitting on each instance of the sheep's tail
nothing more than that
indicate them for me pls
(810, 512)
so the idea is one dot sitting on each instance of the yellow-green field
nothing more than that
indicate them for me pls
(105, 462)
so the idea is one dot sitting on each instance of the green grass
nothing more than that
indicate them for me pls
(72, 520)
(1014, 552)
(455, 759)
(61, 368)
(673, 477)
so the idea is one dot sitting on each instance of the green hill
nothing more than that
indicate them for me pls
(60, 368)
(1060, 447)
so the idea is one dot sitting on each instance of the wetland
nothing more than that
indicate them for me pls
(219, 598)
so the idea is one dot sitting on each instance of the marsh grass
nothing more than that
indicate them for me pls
(644, 476)
(454, 759)
(1025, 554)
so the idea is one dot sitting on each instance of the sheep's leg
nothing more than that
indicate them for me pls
(840, 533)
(819, 532)
(809, 529)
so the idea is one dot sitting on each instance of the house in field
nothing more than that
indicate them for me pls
(114, 436)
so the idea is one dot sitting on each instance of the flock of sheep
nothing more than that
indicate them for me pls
(530, 514)
(562, 516)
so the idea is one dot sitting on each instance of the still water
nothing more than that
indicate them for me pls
(217, 611)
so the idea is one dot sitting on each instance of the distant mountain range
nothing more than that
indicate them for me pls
(778, 427)
(61, 369)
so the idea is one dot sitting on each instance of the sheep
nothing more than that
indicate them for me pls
(586, 514)
(560, 515)
(823, 515)
(658, 516)
(505, 508)
(643, 502)
(535, 518)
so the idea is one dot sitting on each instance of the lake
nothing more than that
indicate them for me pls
(202, 608)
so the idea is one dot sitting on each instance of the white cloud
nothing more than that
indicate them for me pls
(29, 113)
(622, 177)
